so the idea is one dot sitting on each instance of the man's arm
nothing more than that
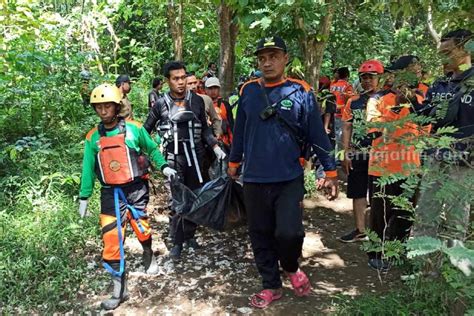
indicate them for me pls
(206, 134)
(215, 119)
(149, 146)
(154, 116)
(88, 175)
(317, 137)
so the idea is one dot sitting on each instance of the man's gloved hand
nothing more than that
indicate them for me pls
(83, 208)
(220, 154)
(170, 173)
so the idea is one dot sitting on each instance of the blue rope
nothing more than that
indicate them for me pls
(119, 228)
(136, 214)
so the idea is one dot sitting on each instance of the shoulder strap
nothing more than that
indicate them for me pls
(283, 122)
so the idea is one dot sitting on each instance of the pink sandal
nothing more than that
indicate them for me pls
(264, 298)
(300, 283)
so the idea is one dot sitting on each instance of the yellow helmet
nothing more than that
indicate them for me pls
(106, 92)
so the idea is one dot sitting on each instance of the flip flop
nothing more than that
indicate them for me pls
(300, 283)
(264, 298)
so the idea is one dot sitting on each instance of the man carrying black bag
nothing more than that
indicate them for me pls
(276, 118)
(180, 118)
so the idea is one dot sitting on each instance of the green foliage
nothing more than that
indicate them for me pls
(310, 183)
(44, 47)
(423, 298)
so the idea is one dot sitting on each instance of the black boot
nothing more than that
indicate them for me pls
(175, 252)
(149, 261)
(192, 243)
(119, 293)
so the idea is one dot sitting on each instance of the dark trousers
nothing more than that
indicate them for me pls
(275, 222)
(181, 229)
(389, 221)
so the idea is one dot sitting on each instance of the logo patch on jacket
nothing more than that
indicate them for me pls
(286, 104)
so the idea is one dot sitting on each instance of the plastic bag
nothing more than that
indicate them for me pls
(182, 197)
(218, 168)
(217, 205)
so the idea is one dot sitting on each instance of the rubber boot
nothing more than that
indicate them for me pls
(149, 261)
(119, 292)
(175, 252)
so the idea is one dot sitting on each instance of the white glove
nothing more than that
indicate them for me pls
(169, 173)
(220, 154)
(83, 207)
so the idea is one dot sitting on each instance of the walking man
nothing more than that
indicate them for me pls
(114, 152)
(181, 122)
(276, 118)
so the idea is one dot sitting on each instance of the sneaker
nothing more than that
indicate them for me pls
(354, 236)
(379, 265)
(192, 243)
(175, 252)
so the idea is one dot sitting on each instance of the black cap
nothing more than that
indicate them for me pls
(121, 79)
(274, 42)
(403, 62)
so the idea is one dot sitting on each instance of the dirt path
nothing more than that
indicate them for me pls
(219, 278)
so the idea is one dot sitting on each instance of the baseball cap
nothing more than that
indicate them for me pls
(212, 82)
(274, 42)
(403, 62)
(121, 79)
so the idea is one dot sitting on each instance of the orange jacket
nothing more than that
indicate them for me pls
(342, 90)
(392, 152)
(221, 110)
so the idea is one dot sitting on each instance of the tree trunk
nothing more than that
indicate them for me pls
(429, 22)
(175, 23)
(228, 30)
(314, 44)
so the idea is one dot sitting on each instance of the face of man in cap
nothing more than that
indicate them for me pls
(271, 63)
(213, 92)
(415, 68)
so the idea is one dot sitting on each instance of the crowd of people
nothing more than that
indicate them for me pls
(265, 133)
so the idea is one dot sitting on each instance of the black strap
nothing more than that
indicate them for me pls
(120, 125)
(283, 122)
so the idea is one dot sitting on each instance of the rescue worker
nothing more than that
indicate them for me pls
(213, 118)
(392, 153)
(155, 91)
(180, 118)
(222, 107)
(123, 83)
(85, 90)
(276, 118)
(414, 67)
(356, 146)
(114, 152)
(342, 90)
(210, 72)
(451, 104)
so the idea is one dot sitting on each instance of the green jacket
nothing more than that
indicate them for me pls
(137, 138)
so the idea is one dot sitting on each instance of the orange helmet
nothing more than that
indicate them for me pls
(371, 66)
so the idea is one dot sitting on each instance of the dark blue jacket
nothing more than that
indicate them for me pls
(460, 112)
(270, 151)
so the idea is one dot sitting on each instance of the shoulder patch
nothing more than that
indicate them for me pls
(303, 83)
(137, 124)
(90, 133)
(247, 83)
